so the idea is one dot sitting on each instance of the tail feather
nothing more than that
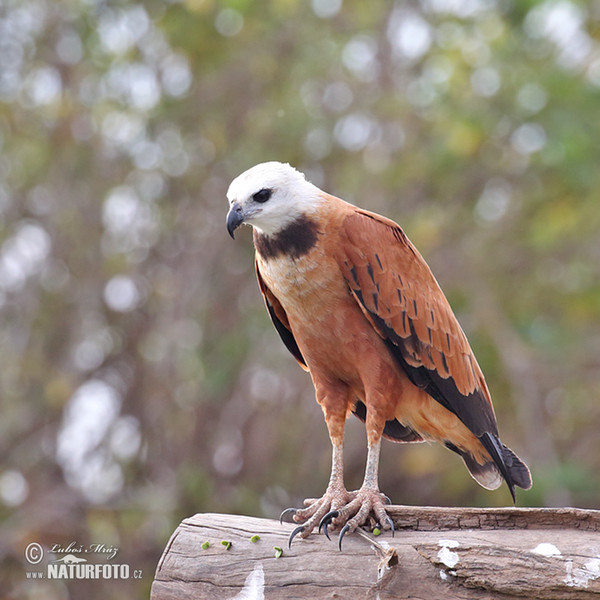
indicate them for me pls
(511, 467)
(519, 471)
(494, 447)
(505, 465)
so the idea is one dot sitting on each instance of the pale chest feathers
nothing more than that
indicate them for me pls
(297, 269)
(290, 278)
(309, 288)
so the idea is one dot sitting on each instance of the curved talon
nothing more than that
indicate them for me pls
(294, 533)
(387, 499)
(342, 534)
(326, 520)
(286, 512)
(391, 524)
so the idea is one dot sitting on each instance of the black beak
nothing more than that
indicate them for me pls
(235, 217)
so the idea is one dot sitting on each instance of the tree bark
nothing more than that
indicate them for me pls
(461, 553)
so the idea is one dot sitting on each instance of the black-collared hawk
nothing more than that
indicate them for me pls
(358, 307)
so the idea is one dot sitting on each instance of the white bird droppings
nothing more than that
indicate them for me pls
(445, 555)
(581, 576)
(449, 543)
(546, 549)
(447, 576)
(449, 558)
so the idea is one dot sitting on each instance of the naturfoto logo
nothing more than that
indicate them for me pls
(75, 563)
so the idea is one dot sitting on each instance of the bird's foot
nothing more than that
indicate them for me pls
(317, 509)
(368, 504)
(342, 510)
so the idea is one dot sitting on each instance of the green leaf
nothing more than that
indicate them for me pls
(227, 544)
(376, 531)
(205, 546)
(278, 551)
(255, 538)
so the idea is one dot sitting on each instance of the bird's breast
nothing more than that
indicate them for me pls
(301, 283)
(325, 320)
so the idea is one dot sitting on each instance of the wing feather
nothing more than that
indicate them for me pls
(280, 319)
(404, 303)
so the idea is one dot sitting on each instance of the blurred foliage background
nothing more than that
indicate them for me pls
(141, 379)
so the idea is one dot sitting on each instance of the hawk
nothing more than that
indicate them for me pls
(359, 309)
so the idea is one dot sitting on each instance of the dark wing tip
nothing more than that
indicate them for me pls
(514, 471)
(520, 473)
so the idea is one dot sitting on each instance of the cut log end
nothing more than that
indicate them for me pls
(462, 553)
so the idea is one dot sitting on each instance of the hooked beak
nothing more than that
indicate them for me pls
(235, 217)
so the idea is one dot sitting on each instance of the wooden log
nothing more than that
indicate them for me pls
(461, 553)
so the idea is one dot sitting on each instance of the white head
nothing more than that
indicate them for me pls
(270, 196)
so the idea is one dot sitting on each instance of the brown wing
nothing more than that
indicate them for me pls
(280, 320)
(404, 303)
(392, 430)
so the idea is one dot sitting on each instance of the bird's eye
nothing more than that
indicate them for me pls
(262, 195)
